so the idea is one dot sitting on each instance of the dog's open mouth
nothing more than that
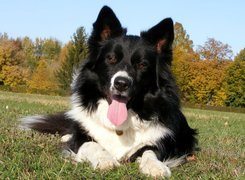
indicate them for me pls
(117, 112)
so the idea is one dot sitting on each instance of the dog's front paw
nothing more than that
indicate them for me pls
(150, 165)
(154, 168)
(96, 155)
(104, 162)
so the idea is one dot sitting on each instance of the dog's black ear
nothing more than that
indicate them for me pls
(106, 26)
(161, 35)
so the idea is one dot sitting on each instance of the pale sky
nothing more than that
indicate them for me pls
(223, 20)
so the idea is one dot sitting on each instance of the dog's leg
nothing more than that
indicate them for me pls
(96, 155)
(150, 165)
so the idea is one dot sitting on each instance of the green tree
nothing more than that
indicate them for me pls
(28, 48)
(48, 49)
(182, 40)
(235, 82)
(240, 56)
(38, 53)
(51, 49)
(77, 51)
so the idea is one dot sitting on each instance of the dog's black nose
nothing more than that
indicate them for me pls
(122, 83)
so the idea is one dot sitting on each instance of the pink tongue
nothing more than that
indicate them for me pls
(117, 112)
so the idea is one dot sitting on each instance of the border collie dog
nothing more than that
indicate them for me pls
(124, 102)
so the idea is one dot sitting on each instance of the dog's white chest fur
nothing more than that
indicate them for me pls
(136, 133)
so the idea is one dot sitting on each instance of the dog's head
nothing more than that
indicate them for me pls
(129, 69)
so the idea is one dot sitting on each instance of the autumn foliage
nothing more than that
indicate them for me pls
(42, 79)
(206, 74)
(12, 72)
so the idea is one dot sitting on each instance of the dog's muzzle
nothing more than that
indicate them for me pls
(121, 84)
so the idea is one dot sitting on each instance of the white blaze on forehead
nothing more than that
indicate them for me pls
(119, 74)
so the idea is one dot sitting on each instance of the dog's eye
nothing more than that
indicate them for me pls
(141, 65)
(111, 59)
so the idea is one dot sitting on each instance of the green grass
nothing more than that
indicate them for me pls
(30, 155)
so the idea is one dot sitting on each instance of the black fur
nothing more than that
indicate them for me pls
(152, 95)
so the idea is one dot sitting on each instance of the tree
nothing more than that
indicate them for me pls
(12, 73)
(48, 49)
(38, 48)
(43, 79)
(183, 56)
(215, 50)
(240, 56)
(77, 51)
(4, 37)
(64, 52)
(182, 40)
(14, 76)
(28, 48)
(51, 49)
(235, 82)
(206, 82)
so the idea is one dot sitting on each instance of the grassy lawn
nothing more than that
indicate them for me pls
(29, 155)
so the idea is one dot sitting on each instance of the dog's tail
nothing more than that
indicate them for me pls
(54, 124)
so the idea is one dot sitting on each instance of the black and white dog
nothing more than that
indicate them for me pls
(124, 102)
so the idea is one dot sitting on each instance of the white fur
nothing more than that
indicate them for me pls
(150, 165)
(26, 122)
(175, 161)
(96, 155)
(66, 138)
(136, 133)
